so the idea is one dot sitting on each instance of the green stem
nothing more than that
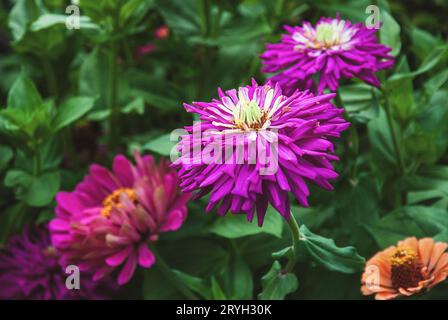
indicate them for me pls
(36, 159)
(295, 235)
(393, 133)
(52, 84)
(114, 110)
(172, 277)
(205, 8)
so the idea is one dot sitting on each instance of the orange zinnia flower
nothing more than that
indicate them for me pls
(405, 269)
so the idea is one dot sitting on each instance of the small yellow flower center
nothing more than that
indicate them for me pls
(50, 251)
(113, 200)
(405, 268)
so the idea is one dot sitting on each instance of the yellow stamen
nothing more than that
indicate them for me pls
(113, 200)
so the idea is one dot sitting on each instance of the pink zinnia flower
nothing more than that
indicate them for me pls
(334, 48)
(296, 127)
(111, 218)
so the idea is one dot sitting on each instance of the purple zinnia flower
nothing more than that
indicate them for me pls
(29, 269)
(334, 48)
(292, 130)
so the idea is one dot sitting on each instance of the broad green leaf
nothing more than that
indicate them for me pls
(136, 106)
(217, 292)
(161, 145)
(23, 94)
(49, 20)
(423, 42)
(34, 191)
(276, 284)
(11, 221)
(381, 140)
(195, 284)
(156, 286)
(412, 221)
(438, 54)
(237, 279)
(358, 201)
(6, 155)
(325, 252)
(22, 14)
(72, 110)
(435, 83)
(428, 184)
(94, 77)
(182, 16)
(401, 94)
(359, 101)
(390, 33)
(234, 226)
(196, 256)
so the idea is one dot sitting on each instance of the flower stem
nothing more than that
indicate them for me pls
(295, 235)
(172, 277)
(52, 83)
(113, 104)
(393, 133)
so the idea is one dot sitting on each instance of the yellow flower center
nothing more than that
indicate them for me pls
(50, 251)
(113, 200)
(405, 268)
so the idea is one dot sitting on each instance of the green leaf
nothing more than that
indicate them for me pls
(196, 256)
(401, 94)
(359, 101)
(161, 145)
(411, 221)
(136, 106)
(381, 140)
(234, 226)
(94, 77)
(433, 84)
(438, 54)
(34, 191)
(48, 20)
(430, 183)
(195, 284)
(390, 33)
(217, 292)
(358, 201)
(6, 155)
(325, 252)
(22, 14)
(156, 286)
(277, 285)
(23, 94)
(182, 16)
(72, 110)
(423, 42)
(237, 279)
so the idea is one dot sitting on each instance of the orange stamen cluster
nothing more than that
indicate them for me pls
(405, 268)
(113, 200)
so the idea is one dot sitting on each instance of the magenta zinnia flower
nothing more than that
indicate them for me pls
(29, 269)
(111, 218)
(334, 48)
(293, 131)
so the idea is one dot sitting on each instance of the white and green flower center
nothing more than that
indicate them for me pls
(326, 36)
(247, 114)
